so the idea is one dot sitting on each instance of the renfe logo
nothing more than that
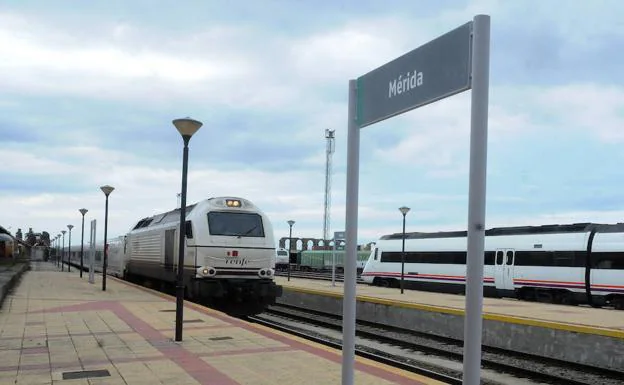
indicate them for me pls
(241, 262)
(404, 84)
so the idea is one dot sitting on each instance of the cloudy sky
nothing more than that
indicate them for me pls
(88, 91)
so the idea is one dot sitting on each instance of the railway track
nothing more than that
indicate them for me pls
(511, 364)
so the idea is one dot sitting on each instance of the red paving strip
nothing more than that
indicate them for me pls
(246, 351)
(96, 334)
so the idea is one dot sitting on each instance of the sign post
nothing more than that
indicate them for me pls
(450, 64)
(338, 236)
(92, 252)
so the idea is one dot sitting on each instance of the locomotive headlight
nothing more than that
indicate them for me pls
(206, 271)
(265, 273)
(232, 203)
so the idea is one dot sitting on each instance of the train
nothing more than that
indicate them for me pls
(318, 260)
(578, 263)
(7, 247)
(229, 255)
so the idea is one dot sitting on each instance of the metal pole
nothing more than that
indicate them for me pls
(82, 245)
(476, 198)
(69, 253)
(63, 254)
(289, 249)
(403, 256)
(348, 304)
(334, 263)
(105, 262)
(180, 279)
(92, 252)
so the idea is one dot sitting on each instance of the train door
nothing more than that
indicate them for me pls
(169, 248)
(504, 269)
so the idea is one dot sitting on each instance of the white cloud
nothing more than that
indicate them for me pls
(223, 66)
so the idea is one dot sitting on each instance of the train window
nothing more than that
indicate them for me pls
(510, 255)
(489, 258)
(376, 252)
(606, 260)
(188, 230)
(444, 257)
(235, 224)
(499, 257)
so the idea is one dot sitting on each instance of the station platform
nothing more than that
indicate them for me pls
(56, 328)
(580, 319)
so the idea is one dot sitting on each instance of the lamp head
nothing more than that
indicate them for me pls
(187, 126)
(404, 210)
(291, 222)
(83, 211)
(70, 227)
(107, 189)
(63, 231)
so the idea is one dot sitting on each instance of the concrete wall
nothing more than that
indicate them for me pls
(588, 349)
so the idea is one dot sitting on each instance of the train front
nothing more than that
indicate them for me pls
(234, 256)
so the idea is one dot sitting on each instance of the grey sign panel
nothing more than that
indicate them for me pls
(339, 235)
(433, 71)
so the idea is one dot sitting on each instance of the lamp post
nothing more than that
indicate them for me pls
(290, 223)
(63, 250)
(186, 127)
(60, 256)
(83, 212)
(106, 190)
(404, 210)
(70, 227)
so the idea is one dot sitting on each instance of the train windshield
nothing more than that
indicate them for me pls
(235, 224)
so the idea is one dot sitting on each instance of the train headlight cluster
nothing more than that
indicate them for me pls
(206, 271)
(265, 273)
(232, 203)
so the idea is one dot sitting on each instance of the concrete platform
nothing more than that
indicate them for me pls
(577, 334)
(56, 325)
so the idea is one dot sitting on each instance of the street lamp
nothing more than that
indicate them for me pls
(404, 210)
(106, 190)
(60, 257)
(290, 223)
(63, 250)
(83, 212)
(186, 127)
(70, 227)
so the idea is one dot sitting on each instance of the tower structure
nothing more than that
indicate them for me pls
(329, 151)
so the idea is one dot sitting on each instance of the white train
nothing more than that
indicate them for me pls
(229, 255)
(571, 264)
(282, 259)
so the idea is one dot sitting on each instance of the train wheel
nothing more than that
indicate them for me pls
(618, 303)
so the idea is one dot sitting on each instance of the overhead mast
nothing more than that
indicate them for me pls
(329, 150)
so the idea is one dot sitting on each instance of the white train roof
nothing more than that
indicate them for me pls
(515, 230)
(172, 216)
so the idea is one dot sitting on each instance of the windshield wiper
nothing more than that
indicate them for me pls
(248, 231)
